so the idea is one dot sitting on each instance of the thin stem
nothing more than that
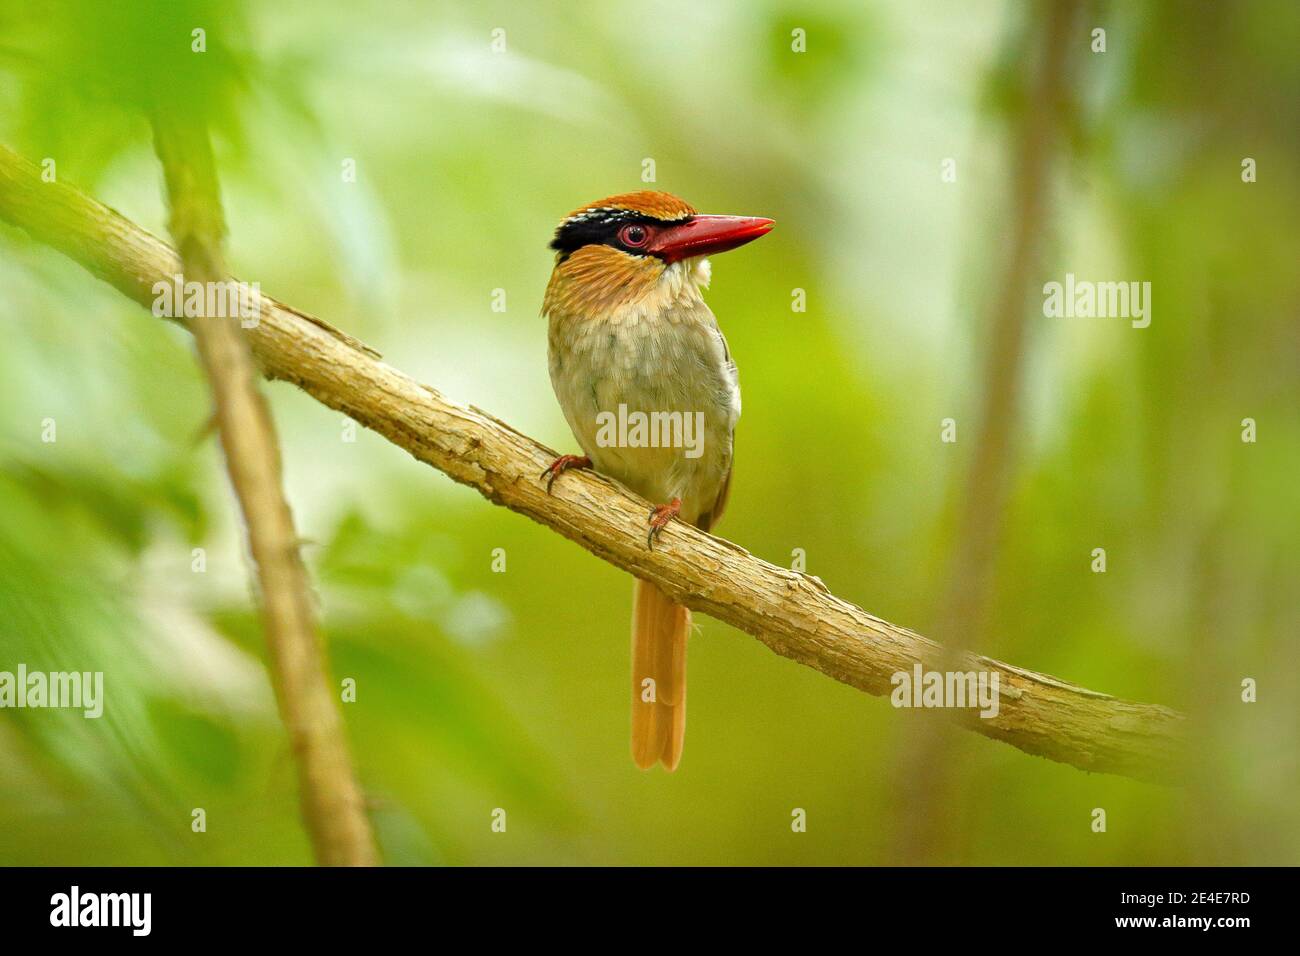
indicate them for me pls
(331, 800)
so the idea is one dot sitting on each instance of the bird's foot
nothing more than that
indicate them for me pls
(561, 465)
(660, 515)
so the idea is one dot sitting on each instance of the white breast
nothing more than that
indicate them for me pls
(660, 357)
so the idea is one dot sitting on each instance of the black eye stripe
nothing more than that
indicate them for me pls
(601, 227)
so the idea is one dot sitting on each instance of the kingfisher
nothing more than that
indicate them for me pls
(630, 339)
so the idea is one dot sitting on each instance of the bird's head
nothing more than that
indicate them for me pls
(621, 249)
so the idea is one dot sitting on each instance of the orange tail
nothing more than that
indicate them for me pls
(659, 629)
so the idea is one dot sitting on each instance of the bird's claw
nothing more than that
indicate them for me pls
(560, 466)
(660, 515)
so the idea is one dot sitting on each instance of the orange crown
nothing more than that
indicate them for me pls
(647, 202)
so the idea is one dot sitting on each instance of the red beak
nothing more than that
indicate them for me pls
(705, 235)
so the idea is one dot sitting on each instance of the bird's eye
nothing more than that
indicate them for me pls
(633, 235)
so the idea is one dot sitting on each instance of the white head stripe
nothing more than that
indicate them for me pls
(614, 212)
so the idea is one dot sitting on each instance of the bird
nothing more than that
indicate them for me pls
(629, 338)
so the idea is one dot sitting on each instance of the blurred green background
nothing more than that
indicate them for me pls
(479, 690)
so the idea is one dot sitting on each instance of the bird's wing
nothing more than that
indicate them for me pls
(711, 517)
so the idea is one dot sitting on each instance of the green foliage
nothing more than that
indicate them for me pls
(479, 690)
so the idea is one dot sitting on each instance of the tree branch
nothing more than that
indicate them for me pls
(981, 504)
(792, 613)
(331, 800)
